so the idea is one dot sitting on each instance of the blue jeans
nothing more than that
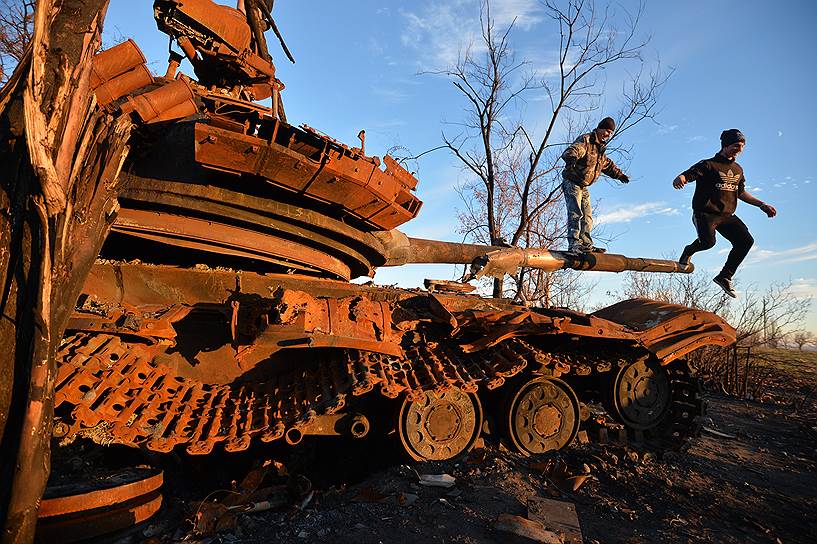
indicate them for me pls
(579, 215)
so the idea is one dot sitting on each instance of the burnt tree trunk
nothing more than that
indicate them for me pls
(60, 158)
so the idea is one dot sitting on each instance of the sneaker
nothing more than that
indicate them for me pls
(685, 258)
(726, 285)
(594, 249)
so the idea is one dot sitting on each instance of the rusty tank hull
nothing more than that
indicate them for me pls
(220, 312)
(162, 357)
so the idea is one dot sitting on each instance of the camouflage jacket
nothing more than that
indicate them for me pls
(585, 161)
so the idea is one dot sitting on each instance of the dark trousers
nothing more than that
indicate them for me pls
(730, 227)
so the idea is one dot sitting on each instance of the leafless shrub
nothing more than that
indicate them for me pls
(802, 339)
(16, 27)
(762, 319)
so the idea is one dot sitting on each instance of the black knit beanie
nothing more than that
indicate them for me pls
(731, 136)
(607, 123)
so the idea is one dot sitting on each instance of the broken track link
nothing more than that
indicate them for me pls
(117, 393)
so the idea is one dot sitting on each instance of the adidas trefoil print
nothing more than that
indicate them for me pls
(729, 182)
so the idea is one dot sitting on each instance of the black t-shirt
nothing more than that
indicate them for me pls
(718, 183)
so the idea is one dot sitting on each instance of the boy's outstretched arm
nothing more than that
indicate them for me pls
(768, 209)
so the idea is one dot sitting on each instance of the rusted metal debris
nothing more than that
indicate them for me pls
(558, 516)
(74, 512)
(266, 487)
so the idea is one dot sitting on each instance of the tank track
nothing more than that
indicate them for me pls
(684, 416)
(116, 385)
(117, 393)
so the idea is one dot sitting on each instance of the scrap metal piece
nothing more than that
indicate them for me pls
(110, 490)
(97, 524)
(118, 71)
(70, 513)
(558, 516)
(226, 239)
(670, 331)
(527, 529)
(173, 100)
(448, 286)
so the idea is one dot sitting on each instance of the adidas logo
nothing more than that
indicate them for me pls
(729, 177)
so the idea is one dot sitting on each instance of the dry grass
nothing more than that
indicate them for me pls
(786, 377)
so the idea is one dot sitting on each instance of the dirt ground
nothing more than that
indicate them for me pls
(750, 477)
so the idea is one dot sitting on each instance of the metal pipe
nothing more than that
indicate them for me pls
(498, 261)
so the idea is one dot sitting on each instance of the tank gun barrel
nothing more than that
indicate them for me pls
(497, 261)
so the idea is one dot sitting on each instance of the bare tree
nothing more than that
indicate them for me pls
(514, 194)
(760, 318)
(802, 338)
(16, 27)
(693, 290)
(769, 317)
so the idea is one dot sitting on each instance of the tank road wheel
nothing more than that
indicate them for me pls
(641, 394)
(542, 416)
(440, 425)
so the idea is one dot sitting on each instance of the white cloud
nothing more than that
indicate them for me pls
(807, 252)
(526, 12)
(628, 213)
(666, 129)
(391, 94)
(696, 139)
(549, 70)
(780, 133)
(442, 30)
(804, 287)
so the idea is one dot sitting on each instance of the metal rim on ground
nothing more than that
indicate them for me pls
(124, 486)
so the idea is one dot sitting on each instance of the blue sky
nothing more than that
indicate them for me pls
(746, 64)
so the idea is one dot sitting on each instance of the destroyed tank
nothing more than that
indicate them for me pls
(221, 313)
